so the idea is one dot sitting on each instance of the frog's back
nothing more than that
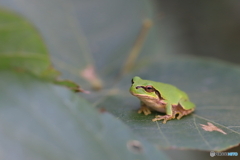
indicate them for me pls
(170, 92)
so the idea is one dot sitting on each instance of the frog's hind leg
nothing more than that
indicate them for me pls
(183, 108)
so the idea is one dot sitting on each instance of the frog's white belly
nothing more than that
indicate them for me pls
(154, 104)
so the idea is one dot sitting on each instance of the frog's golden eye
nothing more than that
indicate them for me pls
(149, 89)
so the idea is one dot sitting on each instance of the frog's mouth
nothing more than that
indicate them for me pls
(139, 95)
(144, 96)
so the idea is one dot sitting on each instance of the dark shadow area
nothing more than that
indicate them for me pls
(203, 28)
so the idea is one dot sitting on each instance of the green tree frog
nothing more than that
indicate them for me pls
(161, 97)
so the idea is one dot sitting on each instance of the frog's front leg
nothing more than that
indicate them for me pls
(166, 117)
(144, 109)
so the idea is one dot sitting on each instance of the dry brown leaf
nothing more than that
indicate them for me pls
(210, 127)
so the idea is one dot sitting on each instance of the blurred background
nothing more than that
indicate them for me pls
(202, 28)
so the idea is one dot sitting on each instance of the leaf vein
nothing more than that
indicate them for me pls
(160, 131)
(206, 142)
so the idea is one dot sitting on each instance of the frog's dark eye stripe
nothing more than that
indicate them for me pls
(146, 88)
(149, 89)
(158, 94)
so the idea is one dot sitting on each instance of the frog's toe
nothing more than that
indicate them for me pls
(180, 115)
(157, 118)
(144, 110)
(165, 118)
(147, 112)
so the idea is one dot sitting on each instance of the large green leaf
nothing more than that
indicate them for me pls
(40, 120)
(101, 34)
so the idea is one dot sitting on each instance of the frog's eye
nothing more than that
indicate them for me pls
(132, 81)
(149, 89)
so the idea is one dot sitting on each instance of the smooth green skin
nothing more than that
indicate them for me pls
(171, 94)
